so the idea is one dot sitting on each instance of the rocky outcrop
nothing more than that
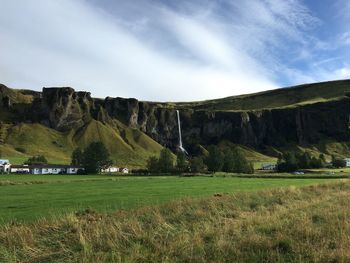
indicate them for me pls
(64, 109)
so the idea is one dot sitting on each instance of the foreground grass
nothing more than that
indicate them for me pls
(308, 224)
(27, 197)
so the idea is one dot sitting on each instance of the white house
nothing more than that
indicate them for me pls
(111, 169)
(4, 166)
(347, 162)
(20, 169)
(114, 169)
(55, 169)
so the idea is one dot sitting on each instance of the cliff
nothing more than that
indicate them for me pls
(318, 114)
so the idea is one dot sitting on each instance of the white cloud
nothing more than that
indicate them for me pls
(165, 54)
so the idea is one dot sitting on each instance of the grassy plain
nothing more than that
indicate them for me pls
(25, 198)
(290, 224)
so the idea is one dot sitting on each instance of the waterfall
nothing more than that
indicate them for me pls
(180, 135)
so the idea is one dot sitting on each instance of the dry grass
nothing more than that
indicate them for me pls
(309, 224)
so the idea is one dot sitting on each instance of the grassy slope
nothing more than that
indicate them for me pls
(30, 197)
(15, 95)
(286, 225)
(132, 150)
(280, 98)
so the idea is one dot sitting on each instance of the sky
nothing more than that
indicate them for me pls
(164, 50)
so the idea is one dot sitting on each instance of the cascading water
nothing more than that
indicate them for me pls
(180, 135)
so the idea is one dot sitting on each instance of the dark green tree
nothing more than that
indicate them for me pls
(288, 164)
(215, 159)
(181, 162)
(77, 157)
(39, 159)
(304, 160)
(337, 162)
(241, 164)
(96, 157)
(166, 161)
(197, 165)
(315, 163)
(323, 159)
(229, 161)
(153, 164)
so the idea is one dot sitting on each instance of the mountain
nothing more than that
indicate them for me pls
(313, 117)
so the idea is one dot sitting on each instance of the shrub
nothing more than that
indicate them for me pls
(20, 149)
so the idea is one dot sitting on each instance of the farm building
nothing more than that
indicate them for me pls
(114, 169)
(111, 169)
(55, 169)
(20, 169)
(4, 166)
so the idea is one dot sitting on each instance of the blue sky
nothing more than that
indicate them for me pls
(173, 50)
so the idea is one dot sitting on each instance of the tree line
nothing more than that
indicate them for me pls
(217, 160)
(290, 162)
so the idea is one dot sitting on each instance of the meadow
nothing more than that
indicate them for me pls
(288, 224)
(26, 198)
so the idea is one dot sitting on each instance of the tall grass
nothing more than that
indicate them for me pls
(309, 224)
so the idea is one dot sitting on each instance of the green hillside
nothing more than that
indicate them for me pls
(128, 147)
(279, 98)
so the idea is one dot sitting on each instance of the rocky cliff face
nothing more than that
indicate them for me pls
(300, 125)
(64, 109)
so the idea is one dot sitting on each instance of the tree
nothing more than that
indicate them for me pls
(304, 160)
(181, 162)
(96, 157)
(315, 163)
(337, 162)
(241, 164)
(39, 159)
(153, 164)
(166, 161)
(323, 159)
(197, 165)
(77, 157)
(215, 159)
(288, 163)
(229, 161)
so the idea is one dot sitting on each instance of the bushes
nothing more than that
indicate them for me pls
(20, 149)
(228, 160)
(39, 159)
(338, 163)
(165, 162)
(290, 162)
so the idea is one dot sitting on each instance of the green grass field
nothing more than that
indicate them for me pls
(25, 198)
(289, 224)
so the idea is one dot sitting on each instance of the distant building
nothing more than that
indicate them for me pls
(114, 169)
(20, 169)
(54, 169)
(269, 167)
(347, 162)
(124, 170)
(111, 169)
(4, 166)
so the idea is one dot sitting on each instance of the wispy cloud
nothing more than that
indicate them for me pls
(156, 50)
